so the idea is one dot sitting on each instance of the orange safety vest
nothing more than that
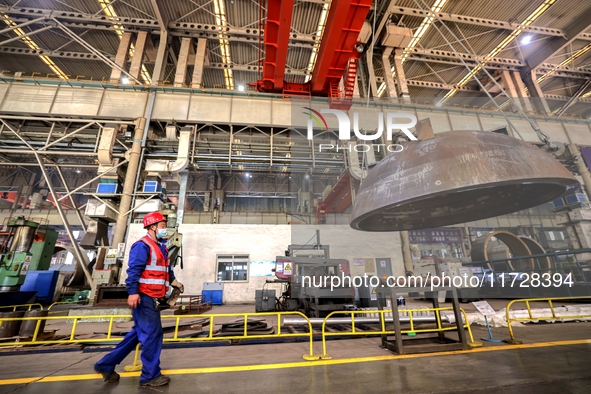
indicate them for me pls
(154, 280)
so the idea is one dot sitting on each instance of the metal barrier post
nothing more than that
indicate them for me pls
(136, 366)
(210, 337)
(530, 317)
(437, 320)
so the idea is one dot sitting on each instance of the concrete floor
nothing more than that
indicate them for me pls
(358, 366)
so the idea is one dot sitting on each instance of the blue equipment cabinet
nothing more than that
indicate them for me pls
(213, 292)
(43, 282)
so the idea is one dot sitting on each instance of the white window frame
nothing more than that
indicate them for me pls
(234, 258)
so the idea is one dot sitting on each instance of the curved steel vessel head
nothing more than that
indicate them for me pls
(457, 177)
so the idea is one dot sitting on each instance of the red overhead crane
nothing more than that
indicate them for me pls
(337, 57)
(277, 31)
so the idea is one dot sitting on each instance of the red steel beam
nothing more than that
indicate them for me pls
(277, 30)
(343, 25)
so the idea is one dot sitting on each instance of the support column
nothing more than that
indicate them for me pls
(181, 67)
(17, 199)
(356, 89)
(510, 87)
(197, 78)
(180, 212)
(129, 185)
(372, 75)
(522, 93)
(121, 58)
(138, 54)
(71, 198)
(406, 256)
(540, 103)
(161, 59)
(400, 77)
(390, 86)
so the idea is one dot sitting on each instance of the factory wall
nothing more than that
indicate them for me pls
(202, 243)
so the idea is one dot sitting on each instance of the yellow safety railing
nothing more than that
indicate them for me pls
(72, 337)
(531, 317)
(175, 338)
(28, 306)
(383, 331)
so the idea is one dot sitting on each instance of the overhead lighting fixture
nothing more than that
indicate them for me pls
(509, 39)
(125, 80)
(241, 88)
(526, 40)
(319, 34)
(33, 45)
(220, 21)
(247, 175)
(77, 171)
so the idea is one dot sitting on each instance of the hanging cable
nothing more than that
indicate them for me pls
(541, 135)
(373, 32)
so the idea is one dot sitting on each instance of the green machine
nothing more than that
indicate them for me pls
(25, 247)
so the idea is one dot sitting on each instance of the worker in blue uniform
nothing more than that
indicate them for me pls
(149, 276)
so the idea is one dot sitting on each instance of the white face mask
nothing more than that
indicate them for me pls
(161, 233)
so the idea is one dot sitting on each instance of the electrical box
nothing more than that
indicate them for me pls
(143, 206)
(576, 198)
(213, 292)
(100, 277)
(397, 37)
(559, 203)
(98, 210)
(365, 32)
(108, 188)
(111, 257)
(152, 187)
(264, 300)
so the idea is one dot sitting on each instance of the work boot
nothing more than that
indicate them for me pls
(156, 382)
(110, 377)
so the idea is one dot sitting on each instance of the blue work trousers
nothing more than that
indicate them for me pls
(147, 330)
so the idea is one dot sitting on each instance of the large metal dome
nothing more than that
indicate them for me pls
(457, 177)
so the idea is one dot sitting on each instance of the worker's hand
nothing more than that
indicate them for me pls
(178, 285)
(133, 300)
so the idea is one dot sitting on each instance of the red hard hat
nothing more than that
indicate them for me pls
(153, 218)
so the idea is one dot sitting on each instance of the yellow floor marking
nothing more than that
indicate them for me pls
(299, 364)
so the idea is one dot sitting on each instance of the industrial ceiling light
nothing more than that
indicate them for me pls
(241, 88)
(221, 24)
(508, 40)
(125, 80)
(526, 40)
(33, 45)
(319, 34)
(457, 177)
